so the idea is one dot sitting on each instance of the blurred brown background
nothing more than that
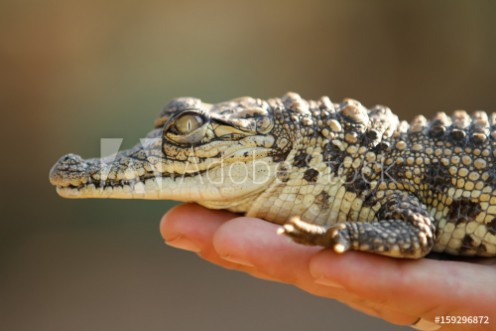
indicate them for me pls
(72, 72)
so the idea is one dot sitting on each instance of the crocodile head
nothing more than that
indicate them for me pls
(220, 155)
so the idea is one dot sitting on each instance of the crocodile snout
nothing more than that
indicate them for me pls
(70, 170)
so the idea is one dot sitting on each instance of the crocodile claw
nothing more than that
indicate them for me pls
(310, 234)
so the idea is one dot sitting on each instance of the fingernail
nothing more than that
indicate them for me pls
(237, 260)
(182, 243)
(423, 324)
(329, 283)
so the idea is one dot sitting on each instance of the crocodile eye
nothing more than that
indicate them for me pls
(186, 129)
(188, 123)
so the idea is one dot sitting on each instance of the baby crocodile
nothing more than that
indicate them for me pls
(332, 174)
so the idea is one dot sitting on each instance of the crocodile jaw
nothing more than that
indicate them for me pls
(221, 186)
(202, 188)
(185, 189)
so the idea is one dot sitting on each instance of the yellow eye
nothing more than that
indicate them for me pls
(188, 123)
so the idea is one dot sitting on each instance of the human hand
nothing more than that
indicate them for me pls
(398, 291)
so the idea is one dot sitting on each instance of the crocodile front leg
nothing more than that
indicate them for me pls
(403, 229)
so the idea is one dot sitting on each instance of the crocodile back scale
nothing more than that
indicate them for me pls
(336, 175)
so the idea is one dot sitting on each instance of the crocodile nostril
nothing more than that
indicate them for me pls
(71, 158)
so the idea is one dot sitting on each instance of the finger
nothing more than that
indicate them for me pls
(192, 227)
(368, 305)
(424, 288)
(390, 314)
(255, 242)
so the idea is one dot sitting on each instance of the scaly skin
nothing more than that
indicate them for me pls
(335, 175)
